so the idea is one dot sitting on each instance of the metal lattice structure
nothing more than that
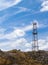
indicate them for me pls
(35, 37)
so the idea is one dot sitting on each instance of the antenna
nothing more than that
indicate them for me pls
(35, 37)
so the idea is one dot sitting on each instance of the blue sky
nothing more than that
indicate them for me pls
(16, 18)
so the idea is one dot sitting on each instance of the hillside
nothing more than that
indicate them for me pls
(16, 57)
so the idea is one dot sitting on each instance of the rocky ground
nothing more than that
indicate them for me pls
(16, 57)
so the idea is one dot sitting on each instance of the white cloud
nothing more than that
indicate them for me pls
(14, 44)
(3, 18)
(19, 42)
(7, 15)
(44, 47)
(28, 45)
(43, 44)
(43, 0)
(4, 44)
(6, 4)
(15, 34)
(2, 30)
(23, 44)
(21, 9)
(12, 35)
(27, 50)
(44, 6)
(28, 27)
(20, 32)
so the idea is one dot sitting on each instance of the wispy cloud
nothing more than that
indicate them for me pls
(21, 9)
(23, 44)
(16, 38)
(18, 44)
(44, 6)
(30, 27)
(42, 43)
(21, 31)
(5, 17)
(17, 22)
(13, 35)
(6, 4)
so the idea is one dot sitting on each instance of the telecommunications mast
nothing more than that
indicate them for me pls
(35, 37)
